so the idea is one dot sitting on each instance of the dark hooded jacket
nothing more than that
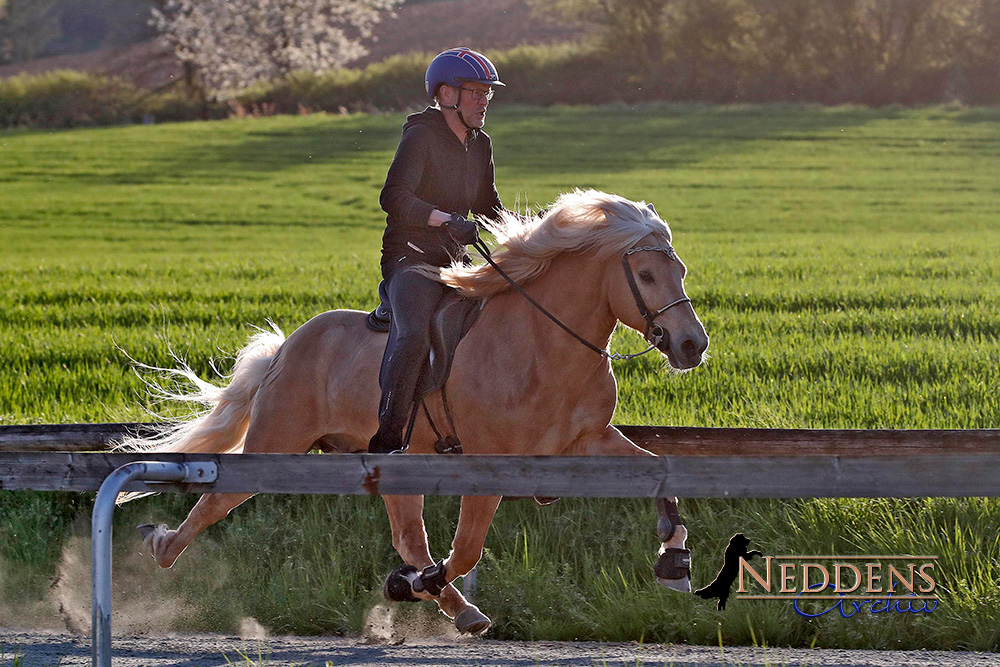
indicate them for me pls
(433, 169)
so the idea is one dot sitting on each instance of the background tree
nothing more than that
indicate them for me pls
(980, 53)
(95, 24)
(635, 27)
(26, 28)
(710, 48)
(874, 49)
(232, 44)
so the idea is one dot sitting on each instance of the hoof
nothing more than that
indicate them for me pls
(399, 584)
(472, 621)
(152, 542)
(149, 531)
(679, 585)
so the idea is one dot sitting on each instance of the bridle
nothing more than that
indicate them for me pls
(654, 333)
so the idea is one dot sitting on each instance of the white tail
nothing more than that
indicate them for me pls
(222, 428)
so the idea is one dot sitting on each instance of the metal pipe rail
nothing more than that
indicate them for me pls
(100, 544)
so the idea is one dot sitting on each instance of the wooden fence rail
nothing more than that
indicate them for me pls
(662, 440)
(807, 476)
(693, 463)
(706, 463)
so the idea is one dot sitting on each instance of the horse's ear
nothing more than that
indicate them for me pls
(652, 210)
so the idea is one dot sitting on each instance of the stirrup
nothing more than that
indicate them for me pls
(378, 323)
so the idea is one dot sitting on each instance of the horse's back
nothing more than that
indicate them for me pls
(324, 379)
(336, 345)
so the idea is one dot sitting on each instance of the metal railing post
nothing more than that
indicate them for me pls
(100, 549)
(470, 585)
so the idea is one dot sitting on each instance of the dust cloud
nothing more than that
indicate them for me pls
(138, 606)
(397, 624)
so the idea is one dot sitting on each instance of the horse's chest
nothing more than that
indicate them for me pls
(530, 409)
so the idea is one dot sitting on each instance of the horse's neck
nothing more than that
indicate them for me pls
(573, 289)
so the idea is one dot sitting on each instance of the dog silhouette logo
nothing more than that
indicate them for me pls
(719, 588)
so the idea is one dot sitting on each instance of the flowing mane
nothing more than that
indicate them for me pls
(578, 221)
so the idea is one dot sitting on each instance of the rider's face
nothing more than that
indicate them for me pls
(473, 110)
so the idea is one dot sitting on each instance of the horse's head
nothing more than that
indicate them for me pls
(646, 291)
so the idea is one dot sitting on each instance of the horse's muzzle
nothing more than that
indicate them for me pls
(686, 354)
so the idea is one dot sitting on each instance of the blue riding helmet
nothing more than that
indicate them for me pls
(457, 66)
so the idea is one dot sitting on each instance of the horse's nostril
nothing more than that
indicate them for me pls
(692, 348)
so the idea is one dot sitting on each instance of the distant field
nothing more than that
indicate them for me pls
(846, 263)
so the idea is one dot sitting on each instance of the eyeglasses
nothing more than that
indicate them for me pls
(478, 95)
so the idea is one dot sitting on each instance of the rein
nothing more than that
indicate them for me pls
(657, 331)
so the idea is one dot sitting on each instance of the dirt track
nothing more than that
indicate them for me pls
(48, 648)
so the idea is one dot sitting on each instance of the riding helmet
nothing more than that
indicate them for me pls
(457, 66)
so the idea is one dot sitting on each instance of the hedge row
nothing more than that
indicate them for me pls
(68, 98)
(561, 74)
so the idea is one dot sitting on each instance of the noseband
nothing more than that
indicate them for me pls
(654, 333)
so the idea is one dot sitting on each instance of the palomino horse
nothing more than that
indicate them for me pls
(518, 385)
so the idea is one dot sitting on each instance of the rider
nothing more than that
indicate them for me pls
(443, 169)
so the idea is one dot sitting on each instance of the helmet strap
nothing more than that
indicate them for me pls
(454, 107)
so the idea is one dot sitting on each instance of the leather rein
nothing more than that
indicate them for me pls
(654, 333)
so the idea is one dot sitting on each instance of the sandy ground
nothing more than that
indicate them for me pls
(49, 648)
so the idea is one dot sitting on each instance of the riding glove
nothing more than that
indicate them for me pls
(464, 231)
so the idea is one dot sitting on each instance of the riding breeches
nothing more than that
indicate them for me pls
(413, 299)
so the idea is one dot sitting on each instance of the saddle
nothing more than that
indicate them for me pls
(454, 316)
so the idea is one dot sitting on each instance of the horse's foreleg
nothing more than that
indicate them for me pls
(410, 540)
(673, 569)
(466, 549)
(473, 523)
(167, 545)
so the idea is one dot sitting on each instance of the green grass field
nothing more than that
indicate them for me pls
(845, 261)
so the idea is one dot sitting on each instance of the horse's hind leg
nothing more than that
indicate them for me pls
(410, 539)
(278, 425)
(167, 545)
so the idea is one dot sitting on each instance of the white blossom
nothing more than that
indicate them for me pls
(234, 44)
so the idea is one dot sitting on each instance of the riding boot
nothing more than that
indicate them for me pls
(389, 437)
(380, 444)
(392, 420)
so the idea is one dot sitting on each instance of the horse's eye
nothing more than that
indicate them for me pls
(646, 277)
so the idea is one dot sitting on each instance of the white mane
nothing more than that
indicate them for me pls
(578, 221)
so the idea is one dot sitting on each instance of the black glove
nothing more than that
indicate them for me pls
(464, 231)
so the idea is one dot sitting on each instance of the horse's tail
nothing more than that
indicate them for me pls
(221, 428)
